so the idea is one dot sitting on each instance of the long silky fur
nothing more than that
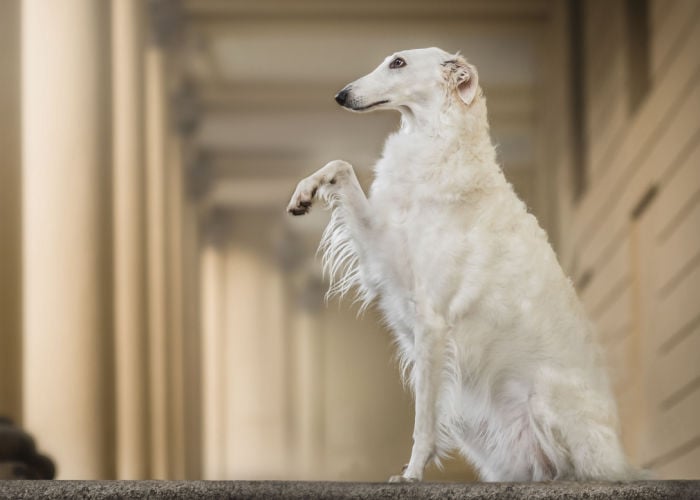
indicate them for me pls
(339, 255)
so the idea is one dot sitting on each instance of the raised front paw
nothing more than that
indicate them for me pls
(303, 196)
(332, 175)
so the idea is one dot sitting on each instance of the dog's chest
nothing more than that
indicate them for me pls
(412, 237)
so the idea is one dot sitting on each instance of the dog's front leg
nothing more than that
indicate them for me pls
(427, 375)
(337, 184)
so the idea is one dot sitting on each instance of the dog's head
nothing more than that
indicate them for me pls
(415, 81)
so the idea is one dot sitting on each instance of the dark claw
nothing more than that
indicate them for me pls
(298, 211)
(305, 203)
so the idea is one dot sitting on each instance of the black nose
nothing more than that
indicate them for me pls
(342, 96)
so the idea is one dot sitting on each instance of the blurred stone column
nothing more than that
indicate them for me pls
(175, 367)
(156, 185)
(214, 397)
(192, 336)
(10, 213)
(165, 25)
(129, 237)
(68, 390)
(183, 293)
(306, 323)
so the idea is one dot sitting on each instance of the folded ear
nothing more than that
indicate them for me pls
(462, 77)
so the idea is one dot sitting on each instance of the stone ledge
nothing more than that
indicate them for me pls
(677, 490)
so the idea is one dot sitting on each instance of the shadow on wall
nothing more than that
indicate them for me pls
(19, 458)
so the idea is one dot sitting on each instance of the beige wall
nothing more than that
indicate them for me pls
(95, 319)
(10, 212)
(636, 261)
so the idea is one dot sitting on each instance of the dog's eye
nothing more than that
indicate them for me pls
(397, 63)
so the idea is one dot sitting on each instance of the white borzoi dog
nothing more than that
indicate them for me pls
(495, 344)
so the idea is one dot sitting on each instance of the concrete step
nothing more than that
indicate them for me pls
(271, 490)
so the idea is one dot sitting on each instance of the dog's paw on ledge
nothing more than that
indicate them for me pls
(402, 479)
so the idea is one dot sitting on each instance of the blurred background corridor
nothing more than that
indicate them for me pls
(162, 317)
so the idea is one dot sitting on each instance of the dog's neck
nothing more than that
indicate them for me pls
(450, 122)
(459, 134)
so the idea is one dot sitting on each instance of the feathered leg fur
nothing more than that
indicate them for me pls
(347, 239)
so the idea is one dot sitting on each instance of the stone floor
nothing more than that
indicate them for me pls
(297, 490)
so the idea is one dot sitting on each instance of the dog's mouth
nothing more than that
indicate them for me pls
(369, 106)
